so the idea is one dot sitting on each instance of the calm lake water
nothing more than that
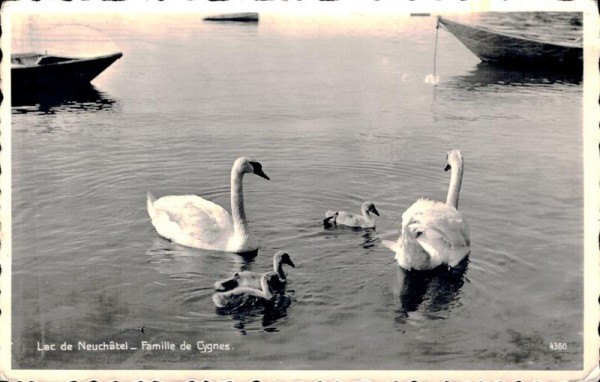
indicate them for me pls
(337, 110)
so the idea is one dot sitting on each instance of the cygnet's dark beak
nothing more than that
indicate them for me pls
(288, 261)
(448, 167)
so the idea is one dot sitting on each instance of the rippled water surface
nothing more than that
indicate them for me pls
(337, 111)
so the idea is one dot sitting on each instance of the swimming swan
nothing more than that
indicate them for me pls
(252, 279)
(434, 233)
(242, 296)
(196, 222)
(352, 220)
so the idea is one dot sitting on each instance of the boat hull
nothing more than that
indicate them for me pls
(61, 74)
(248, 17)
(495, 47)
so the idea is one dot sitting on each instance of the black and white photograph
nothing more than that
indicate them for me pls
(299, 190)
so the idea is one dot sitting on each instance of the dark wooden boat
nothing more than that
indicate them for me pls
(247, 17)
(499, 47)
(35, 71)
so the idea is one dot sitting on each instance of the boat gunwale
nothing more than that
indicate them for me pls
(574, 45)
(70, 60)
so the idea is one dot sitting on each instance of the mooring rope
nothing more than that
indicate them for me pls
(437, 29)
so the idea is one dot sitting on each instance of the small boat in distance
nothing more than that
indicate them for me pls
(515, 50)
(37, 71)
(247, 17)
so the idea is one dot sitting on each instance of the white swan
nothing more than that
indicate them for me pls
(434, 233)
(252, 279)
(196, 222)
(242, 296)
(351, 220)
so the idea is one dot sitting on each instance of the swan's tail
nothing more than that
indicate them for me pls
(330, 213)
(392, 245)
(150, 199)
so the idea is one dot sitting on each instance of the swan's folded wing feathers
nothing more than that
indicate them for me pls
(166, 227)
(439, 216)
(466, 231)
(188, 212)
(440, 250)
(417, 211)
(452, 226)
(213, 219)
(439, 229)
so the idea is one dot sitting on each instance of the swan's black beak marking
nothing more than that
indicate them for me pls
(375, 211)
(258, 170)
(263, 175)
(448, 167)
(289, 261)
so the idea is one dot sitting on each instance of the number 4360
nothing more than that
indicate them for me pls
(558, 346)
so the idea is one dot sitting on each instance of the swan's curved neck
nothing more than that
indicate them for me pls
(278, 268)
(240, 224)
(367, 216)
(455, 183)
(266, 289)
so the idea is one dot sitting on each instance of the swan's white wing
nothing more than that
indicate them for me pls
(439, 229)
(192, 221)
(438, 245)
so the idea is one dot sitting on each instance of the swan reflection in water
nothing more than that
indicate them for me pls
(260, 317)
(370, 239)
(80, 98)
(369, 235)
(170, 258)
(429, 291)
